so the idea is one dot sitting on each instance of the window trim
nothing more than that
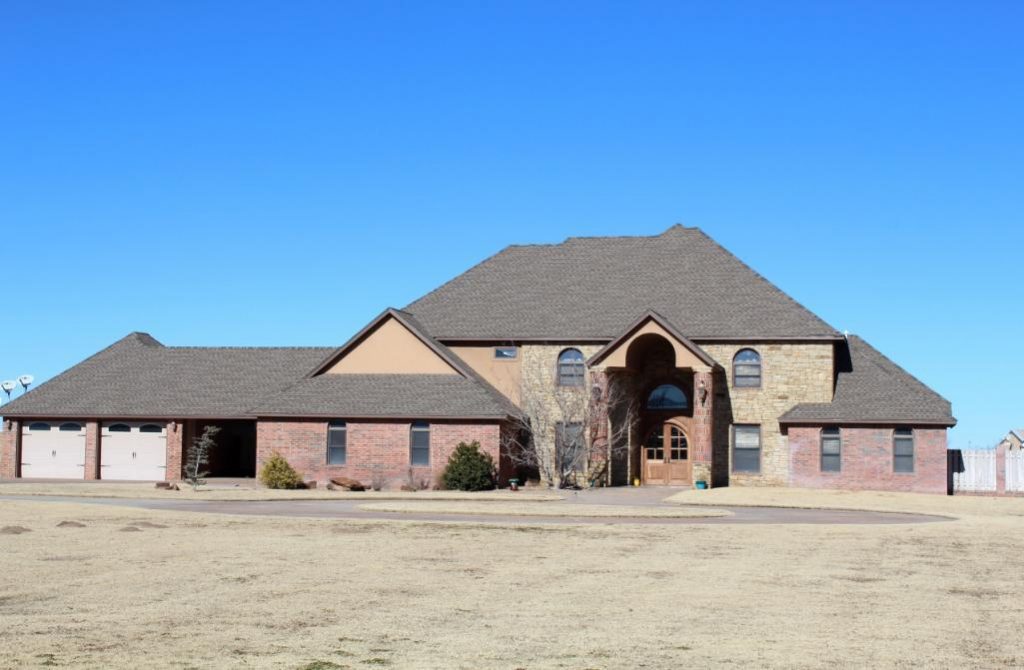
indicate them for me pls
(37, 427)
(760, 370)
(760, 449)
(419, 427)
(581, 364)
(159, 429)
(909, 433)
(515, 353)
(337, 426)
(838, 435)
(110, 427)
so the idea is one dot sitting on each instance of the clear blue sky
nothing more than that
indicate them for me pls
(276, 173)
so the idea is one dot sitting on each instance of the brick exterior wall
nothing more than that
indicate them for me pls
(790, 374)
(376, 453)
(9, 449)
(92, 450)
(867, 461)
(175, 450)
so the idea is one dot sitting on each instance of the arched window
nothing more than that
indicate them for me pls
(70, 427)
(337, 442)
(119, 428)
(667, 396)
(746, 369)
(571, 368)
(39, 426)
(419, 443)
(151, 428)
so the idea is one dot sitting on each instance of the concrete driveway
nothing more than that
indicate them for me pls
(636, 497)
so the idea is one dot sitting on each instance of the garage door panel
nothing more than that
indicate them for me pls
(133, 454)
(47, 452)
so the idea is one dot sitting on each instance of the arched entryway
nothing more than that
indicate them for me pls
(666, 455)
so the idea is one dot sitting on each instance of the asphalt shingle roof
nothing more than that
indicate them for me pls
(870, 388)
(392, 396)
(139, 377)
(593, 288)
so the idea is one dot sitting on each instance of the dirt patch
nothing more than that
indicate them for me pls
(148, 524)
(14, 530)
(71, 524)
(131, 529)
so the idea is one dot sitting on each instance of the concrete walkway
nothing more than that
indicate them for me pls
(642, 497)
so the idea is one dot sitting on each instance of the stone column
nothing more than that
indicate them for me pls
(703, 405)
(92, 449)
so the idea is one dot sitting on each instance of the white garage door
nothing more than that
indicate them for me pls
(134, 451)
(53, 449)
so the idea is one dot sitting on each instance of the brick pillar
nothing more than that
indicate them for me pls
(1001, 469)
(10, 445)
(703, 405)
(92, 450)
(175, 433)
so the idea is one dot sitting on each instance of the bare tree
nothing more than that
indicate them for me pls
(199, 456)
(564, 433)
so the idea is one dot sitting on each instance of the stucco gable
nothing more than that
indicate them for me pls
(688, 354)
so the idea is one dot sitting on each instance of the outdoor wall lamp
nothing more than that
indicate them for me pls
(702, 392)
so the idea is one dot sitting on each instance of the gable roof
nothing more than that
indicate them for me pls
(871, 389)
(137, 376)
(593, 288)
(651, 315)
(410, 324)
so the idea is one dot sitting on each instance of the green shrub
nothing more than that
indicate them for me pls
(469, 469)
(277, 474)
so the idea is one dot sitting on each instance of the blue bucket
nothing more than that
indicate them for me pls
(701, 485)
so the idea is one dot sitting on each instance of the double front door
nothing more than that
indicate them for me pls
(666, 455)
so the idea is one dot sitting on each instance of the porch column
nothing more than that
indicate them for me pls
(703, 401)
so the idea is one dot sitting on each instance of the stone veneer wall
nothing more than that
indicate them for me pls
(539, 370)
(375, 451)
(790, 374)
(866, 460)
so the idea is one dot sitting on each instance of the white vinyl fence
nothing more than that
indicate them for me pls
(1015, 470)
(979, 471)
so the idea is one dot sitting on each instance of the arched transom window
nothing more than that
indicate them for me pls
(571, 368)
(746, 369)
(667, 396)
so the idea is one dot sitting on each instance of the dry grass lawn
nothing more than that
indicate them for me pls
(185, 590)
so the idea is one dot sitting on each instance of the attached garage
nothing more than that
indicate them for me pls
(135, 451)
(53, 450)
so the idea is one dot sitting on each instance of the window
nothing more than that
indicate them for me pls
(119, 428)
(70, 427)
(569, 446)
(505, 353)
(746, 449)
(419, 443)
(746, 369)
(831, 450)
(337, 442)
(151, 428)
(39, 426)
(570, 368)
(667, 396)
(903, 450)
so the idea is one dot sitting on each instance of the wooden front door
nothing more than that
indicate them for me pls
(666, 455)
